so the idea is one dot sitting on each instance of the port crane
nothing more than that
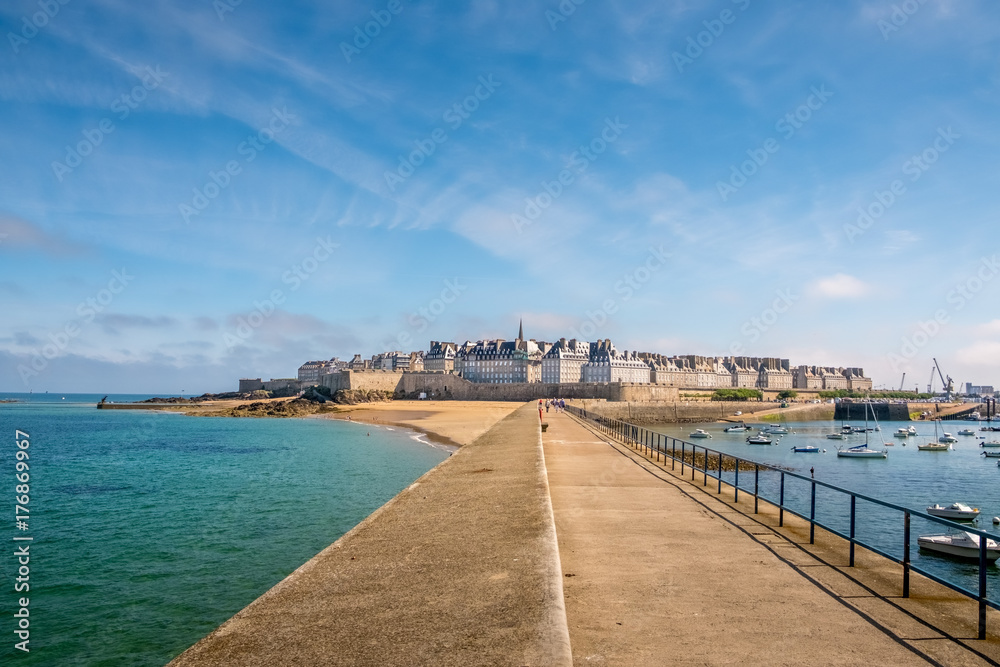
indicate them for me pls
(948, 385)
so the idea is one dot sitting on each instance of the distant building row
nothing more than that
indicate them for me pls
(513, 361)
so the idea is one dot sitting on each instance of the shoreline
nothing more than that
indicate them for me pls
(432, 439)
(448, 424)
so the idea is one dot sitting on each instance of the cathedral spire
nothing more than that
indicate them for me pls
(520, 329)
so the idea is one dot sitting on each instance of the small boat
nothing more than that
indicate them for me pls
(965, 545)
(947, 437)
(835, 436)
(934, 447)
(991, 443)
(806, 449)
(700, 433)
(901, 433)
(991, 455)
(846, 428)
(759, 439)
(736, 428)
(862, 452)
(776, 429)
(912, 430)
(956, 511)
(966, 431)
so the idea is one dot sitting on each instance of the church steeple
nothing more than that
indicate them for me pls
(520, 329)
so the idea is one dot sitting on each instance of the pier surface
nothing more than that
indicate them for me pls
(659, 569)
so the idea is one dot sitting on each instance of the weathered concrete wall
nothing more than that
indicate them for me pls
(882, 411)
(669, 412)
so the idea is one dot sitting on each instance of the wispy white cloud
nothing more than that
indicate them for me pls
(840, 286)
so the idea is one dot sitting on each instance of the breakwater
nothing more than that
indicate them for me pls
(674, 412)
(460, 568)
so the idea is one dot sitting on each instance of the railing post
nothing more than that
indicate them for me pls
(736, 481)
(982, 586)
(756, 486)
(682, 458)
(704, 482)
(694, 470)
(673, 453)
(906, 554)
(781, 501)
(812, 515)
(853, 501)
(720, 473)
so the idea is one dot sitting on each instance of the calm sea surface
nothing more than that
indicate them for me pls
(908, 477)
(150, 529)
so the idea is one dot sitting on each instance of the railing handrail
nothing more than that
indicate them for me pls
(641, 436)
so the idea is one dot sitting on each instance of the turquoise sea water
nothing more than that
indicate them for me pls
(907, 477)
(150, 529)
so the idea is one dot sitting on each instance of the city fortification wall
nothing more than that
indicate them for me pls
(446, 386)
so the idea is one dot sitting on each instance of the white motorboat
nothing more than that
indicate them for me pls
(901, 433)
(776, 429)
(806, 449)
(912, 430)
(956, 511)
(947, 437)
(991, 455)
(835, 436)
(934, 447)
(700, 433)
(966, 431)
(759, 439)
(991, 443)
(965, 545)
(736, 428)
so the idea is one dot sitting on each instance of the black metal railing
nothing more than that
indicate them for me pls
(661, 447)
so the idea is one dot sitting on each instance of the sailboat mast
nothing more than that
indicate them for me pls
(866, 425)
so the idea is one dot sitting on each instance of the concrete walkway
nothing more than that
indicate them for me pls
(659, 572)
(461, 568)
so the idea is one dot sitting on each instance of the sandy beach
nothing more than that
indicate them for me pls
(452, 423)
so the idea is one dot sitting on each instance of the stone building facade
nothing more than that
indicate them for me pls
(565, 360)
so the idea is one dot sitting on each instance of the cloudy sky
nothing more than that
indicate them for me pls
(192, 192)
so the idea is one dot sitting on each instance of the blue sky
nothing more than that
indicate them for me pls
(190, 194)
